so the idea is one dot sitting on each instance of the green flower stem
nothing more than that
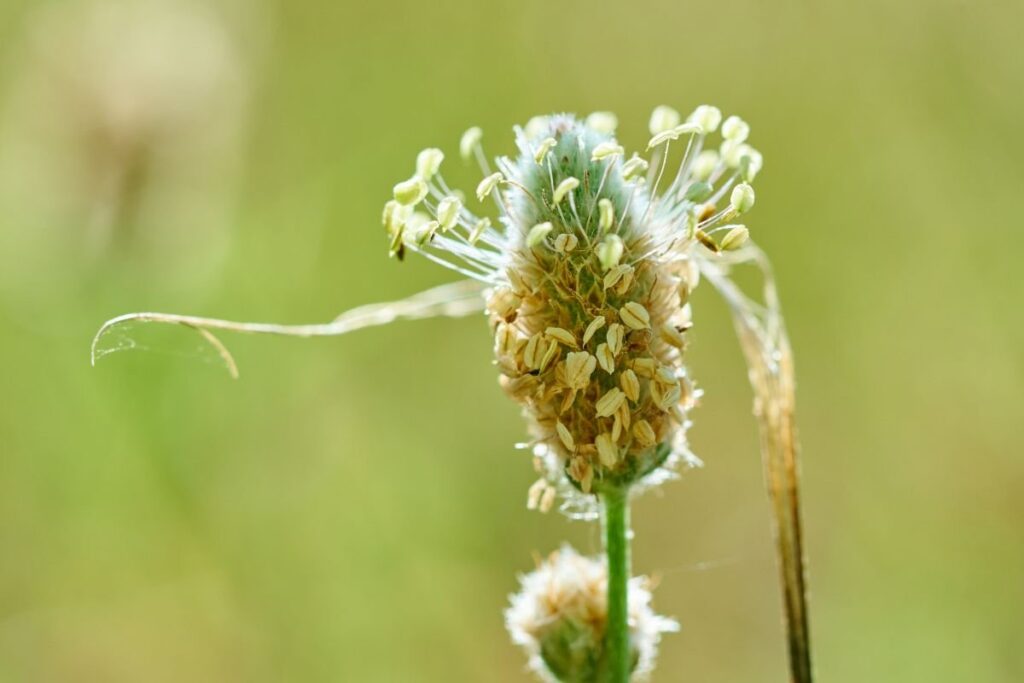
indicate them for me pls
(616, 545)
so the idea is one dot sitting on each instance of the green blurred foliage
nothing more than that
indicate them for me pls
(353, 509)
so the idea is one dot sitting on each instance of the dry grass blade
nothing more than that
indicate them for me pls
(451, 300)
(762, 336)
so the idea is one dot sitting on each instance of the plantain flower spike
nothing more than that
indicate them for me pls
(560, 613)
(578, 239)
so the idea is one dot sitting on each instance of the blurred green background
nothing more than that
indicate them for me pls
(352, 509)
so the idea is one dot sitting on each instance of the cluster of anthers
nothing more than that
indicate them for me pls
(590, 263)
(560, 617)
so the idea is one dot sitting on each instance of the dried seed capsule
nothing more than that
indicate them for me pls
(562, 335)
(547, 501)
(630, 385)
(615, 336)
(665, 396)
(549, 355)
(610, 402)
(645, 367)
(626, 280)
(614, 275)
(534, 494)
(672, 336)
(644, 434)
(504, 303)
(565, 436)
(605, 358)
(607, 452)
(579, 366)
(595, 325)
(635, 316)
(533, 352)
(566, 242)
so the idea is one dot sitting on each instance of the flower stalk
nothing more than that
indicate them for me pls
(616, 544)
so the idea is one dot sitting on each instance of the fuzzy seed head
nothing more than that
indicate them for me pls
(560, 614)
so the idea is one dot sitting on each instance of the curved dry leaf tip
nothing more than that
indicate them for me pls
(451, 300)
(762, 336)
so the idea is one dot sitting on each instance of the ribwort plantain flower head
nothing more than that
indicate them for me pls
(560, 614)
(590, 260)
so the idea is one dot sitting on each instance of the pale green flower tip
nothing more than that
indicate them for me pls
(735, 238)
(546, 145)
(603, 122)
(663, 119)
(663, 137)
(428, 162)
(536, 126)
(750, 162)
(388, 218)
(470, 141)
(488, 184)
(688, 128)
(735, 129)
(410, 192)
(609, 251)
(564, 188)
(479, 229)
(448, 210)
(538, 234)
(634, 167)
(698, 192)
(707, 117)
(605, 150)
(606, 212)
(425, 232)
(742, 198)
(705, 163)
(733, 153)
